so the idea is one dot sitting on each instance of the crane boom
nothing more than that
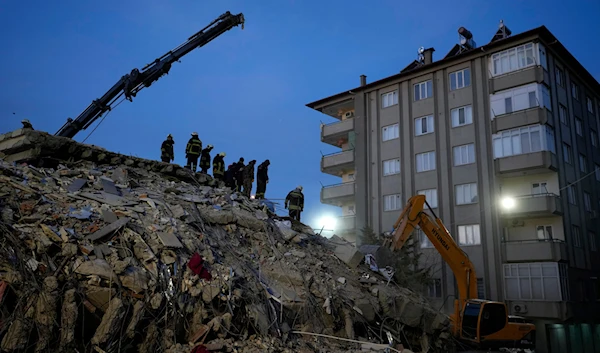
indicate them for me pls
(130, 84)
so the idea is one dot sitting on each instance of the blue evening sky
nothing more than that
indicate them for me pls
(246, 91)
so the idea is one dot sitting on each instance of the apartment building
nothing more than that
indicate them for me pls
(503, 141)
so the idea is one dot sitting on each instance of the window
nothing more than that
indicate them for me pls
(520, 98)
(389, 99)
(430, 197)
(434, 288)
(567, 153)
(597, 172)
(535, 281)
(513, 59)
(461, 116)
(539, 189)
(391, 166)
(392, 202)
(423, 240)
(469, 235)
(424, 125)
(562, 113)
(480, 288)
(523, 140)
(464, 154)
(576, 236)
(466, 194)
(582, 163)
(592, 240)
(560, 76)
(575, 91)
(594, 138)
(460, 79)
(425, 161)
(571, 194)
(578, 126)
(590, 105)
(544, 232)
(423, 90)
(390, 132)
(587, 201)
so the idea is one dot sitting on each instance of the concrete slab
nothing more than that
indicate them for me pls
(346, 252)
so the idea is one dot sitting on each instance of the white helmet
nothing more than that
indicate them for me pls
(299, 187)
(222, 154)
(210, 146)
(194, 134)
(25, 121)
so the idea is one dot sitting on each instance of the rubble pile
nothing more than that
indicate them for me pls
(117, 258)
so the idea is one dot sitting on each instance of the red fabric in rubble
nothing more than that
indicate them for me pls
(196, 264)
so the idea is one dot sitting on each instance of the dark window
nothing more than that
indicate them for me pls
(493, 318)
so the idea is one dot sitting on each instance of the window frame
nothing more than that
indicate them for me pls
(421, 156)
(432, 201)
(576, 235)
(587, 201)
(472, 186)
(547, 235)
(396, 170)
(593, 138)
(575, 91)
(418, 122)
(465, 74)
(582, 163)
(564, 118)
(520, 141)
(528, 51)
(424, 241)
(385, 97)
(590, 105)
(597, 172)
(579, 126)
(432, 288)
(397, 200)
(559, 76)
(468, 115)
(428, 84)
(515, 276)
(470, 153)
(473, 226)
(567, 153)
(571, 194)
(386, 128)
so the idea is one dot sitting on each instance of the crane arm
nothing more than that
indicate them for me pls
(413, 216)
(130, 84)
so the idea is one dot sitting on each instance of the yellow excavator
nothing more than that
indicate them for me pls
(476, 323)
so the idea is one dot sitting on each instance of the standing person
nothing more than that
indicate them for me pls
(205, 159)
(192, 151)
(230, 176)
(262, 178)
(294, 201)
(248, 178)
(219, 166)
(26, 124)
(238, 173)
(166, 150)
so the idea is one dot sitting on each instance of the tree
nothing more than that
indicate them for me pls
(369, 237)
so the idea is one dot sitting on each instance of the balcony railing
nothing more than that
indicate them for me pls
(544, 204)
(332, 133)
(533, 250)
(335, 163)
(338, 193)
(530, 116)
(534, 162)
(517, 78)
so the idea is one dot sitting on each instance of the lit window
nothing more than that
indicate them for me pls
(466, 194)
(392, 202)
(513, 59)
(390, 132)
(544, 232)
(461, 116)
(425, 161)
(389, 99)
(464, 154)
(469, 235)
(430, 197)
(391, 166)
(423, 90)
(460, 79)
(424, 125)
(527, 139)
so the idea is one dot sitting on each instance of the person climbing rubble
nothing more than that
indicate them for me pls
(26, 124)
(205, 159)
(192, 151)
(219, 166)
(238, 173)
(294, 202)
(230, 176)
(262, 178)
(166, 150)
(248, 178)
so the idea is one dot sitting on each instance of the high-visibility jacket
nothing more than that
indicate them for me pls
(218, 166)
(295, 200)
(205, 158)
(166, 149)
(194, 147)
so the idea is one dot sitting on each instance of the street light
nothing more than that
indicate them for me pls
(508, 203)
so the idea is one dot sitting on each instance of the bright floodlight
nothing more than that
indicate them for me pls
(508, 203)
(327, 222)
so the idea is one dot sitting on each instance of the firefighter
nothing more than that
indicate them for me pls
(238, 174)
(262, 178)
(192, 151)
(26, 124)
(294, 201)
(248, 178)
(230, 176)
(166, 150)
(205, 159)
(219, 166)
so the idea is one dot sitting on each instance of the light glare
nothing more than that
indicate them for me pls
(508, 203)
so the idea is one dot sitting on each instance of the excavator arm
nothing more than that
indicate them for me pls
(130, 84)
(413, 215)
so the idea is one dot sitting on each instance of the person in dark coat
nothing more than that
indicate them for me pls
(294, 201)
(262, 178)
(248, 178)
(205, 159)
(192, 151)
(26, 124)
(166, 150)
(230, 176)
(219, 166)
(238, 174)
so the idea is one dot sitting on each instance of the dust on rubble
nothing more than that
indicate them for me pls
(117, 258)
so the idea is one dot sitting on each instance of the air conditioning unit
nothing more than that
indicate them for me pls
(516, 223)
(519, 308)
(348, 115)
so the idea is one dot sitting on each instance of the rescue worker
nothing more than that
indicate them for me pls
(166, 150)
(192, 151)
(219, 166)
(230, 176)
(205, 159)
(294, 201)
(262, 178)
(238, 174)
(26, 124)
(248, 178)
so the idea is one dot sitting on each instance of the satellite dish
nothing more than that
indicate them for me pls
(421, 50)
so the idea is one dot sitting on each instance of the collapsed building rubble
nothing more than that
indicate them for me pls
(108, 253)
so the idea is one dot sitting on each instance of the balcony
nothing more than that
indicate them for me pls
(537, 205)
(338, 194)
(337, 163)
(525, 164)
(346, 223)
(519, 78)
(536, 115)
(540, 250)
(334, 132)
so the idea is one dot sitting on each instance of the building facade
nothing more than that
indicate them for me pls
(503, 141)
